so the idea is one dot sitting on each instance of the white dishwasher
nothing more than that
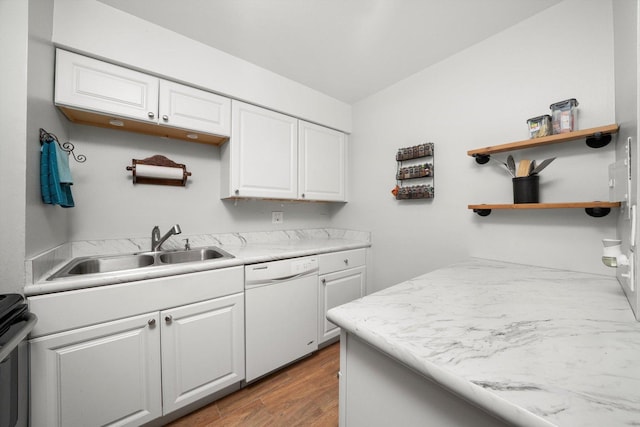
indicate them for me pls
(281, 303)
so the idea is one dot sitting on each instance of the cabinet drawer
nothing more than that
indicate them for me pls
(337, 261)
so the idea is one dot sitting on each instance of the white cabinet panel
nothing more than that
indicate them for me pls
(202, 349)
(322, 163)
(262, 156)
(94, 85)
(274, 156)
(377, 390)
(107, 374)
(194, 109)
(336, 289)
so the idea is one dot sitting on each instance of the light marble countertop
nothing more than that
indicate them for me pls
(531, 345)
(247, 248)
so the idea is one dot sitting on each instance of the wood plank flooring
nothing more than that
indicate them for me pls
(303, 394)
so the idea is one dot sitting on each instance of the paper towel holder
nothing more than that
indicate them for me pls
(160, 161)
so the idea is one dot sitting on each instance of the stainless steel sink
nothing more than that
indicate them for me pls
(115, 263)
(191, 255)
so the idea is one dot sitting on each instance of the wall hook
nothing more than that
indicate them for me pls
(47, 137)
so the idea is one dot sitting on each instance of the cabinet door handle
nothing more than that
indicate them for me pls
(346, 261)
(237, 192)
(165, 118)
(168, 318)
(151, 323)
(302, 195)
(324, 281)
(151, 114)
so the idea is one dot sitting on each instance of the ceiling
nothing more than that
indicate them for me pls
(347, 49)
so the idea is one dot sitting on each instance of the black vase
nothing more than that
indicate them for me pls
(526, 189)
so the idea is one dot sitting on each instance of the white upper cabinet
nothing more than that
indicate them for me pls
(322, 163)
(97, 93)
(99, 86)
(194, 109)
(261, 160)
(275, 156)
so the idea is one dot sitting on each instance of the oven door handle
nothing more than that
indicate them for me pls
(18, 336)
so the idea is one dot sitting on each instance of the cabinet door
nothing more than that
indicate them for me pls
(194, 109)
(322, 163)
(336, 289)
(202, 349)
(94, 85)
(107, 374)
(263, 154)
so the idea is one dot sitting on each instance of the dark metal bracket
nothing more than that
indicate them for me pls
(598, 140)
(482, 159)
(597, 212)
(47, 137)
(482, 212)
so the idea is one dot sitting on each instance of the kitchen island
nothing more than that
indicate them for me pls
(491, 343)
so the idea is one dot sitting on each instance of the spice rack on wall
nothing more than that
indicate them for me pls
(413, 165)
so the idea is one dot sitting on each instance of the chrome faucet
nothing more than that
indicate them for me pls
(157, 241)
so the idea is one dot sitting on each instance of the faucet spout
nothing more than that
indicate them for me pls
(157, 241)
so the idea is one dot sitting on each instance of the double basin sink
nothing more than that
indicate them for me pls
(114, 263)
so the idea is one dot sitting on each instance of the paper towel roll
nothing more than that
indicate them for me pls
(159, 172)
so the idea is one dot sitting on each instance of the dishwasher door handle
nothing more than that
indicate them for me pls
(264, 282)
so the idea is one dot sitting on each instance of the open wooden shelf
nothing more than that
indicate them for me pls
(596, 209)
(546, 140)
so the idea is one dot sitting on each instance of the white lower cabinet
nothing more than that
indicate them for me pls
(202, 349)
(130, 371)
(342, 279)
(106, 374)
(377, 390)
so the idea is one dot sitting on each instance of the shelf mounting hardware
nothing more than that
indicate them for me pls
(598, 140)
(482, 159)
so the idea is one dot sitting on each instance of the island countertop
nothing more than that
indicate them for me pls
(531, 345)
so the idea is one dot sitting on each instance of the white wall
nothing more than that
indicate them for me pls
(13, 113)
(626, 76)
(47, 225)
(483, 96)
(102, 31)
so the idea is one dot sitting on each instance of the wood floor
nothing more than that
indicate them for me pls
(304, 394)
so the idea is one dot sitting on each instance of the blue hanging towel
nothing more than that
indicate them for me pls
(53, 191)
(64, 173)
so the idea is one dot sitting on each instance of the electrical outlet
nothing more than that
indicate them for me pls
(277, 217)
